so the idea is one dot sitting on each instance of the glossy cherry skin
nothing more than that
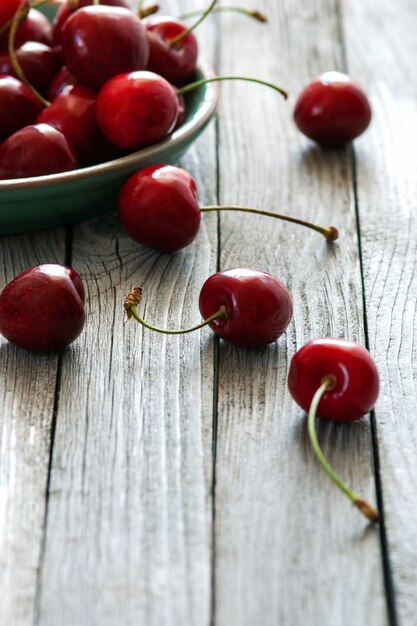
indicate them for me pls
(136, 109)
(175, 63)
(34, 151)
(7, 9)
(258, 306)
(332, 110)
(39, 64)
(18, 106)
(158, 208)
(355, 373)
(35, 27)
(182, 112)
(62, 79)
(42, 308)
(65, 11)
(73, 113)
(100, 42)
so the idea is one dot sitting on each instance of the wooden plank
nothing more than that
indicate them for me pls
(382, 47)
(27, 390)
(289, 549)
(129, 526)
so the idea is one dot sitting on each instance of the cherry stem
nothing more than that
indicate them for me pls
(176, 40)
(257, 15)
(149, 10)
(132, 300)
(204, 81)
(18, 18)
(329, 232)
(328, 382)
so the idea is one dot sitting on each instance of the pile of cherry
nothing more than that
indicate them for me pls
(108, 98)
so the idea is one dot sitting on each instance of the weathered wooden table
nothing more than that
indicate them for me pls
(168, 481)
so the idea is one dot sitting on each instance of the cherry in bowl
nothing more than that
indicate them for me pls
(332, 110)
(42, 309)
(247, 308)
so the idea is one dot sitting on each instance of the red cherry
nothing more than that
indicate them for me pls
(332, 110)
(65, 11)
(7, 9)
(175, 63)
(247, 308)
(17, 105)
(73, 113)
(258, 306)
(35, 27)
(42, 308)
(34, 151)
(158, 208)
(182, 112)
(337, 380)
(62, 79)
(356, 380)
(39, 64)
(136, 109)
(100, 42)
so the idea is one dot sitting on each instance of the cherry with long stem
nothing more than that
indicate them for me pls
(328, 382)
(176, 40)
(133, 299)
(254, 13)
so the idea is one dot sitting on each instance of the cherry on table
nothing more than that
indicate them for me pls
(248, 308)
(18, 106)
(99, 42)
(42, 308)
(36, 150)
(332, 110)
(356, 378)
(158, 207)
(338, 381)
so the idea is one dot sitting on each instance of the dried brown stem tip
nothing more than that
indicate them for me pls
(261, 17)
(132, 299)
(149, 10)
(333, 233)
(369, 511)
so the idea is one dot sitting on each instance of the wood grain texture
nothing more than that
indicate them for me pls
(129, 525)
(289, 549)
(382, 48)
(27, 391)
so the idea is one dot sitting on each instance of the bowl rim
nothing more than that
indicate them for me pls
(182, 134)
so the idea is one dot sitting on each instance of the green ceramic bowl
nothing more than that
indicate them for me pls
(29, 204)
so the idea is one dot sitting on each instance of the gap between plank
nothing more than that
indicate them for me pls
(216, 356)
(386, 561)
(67, 261)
